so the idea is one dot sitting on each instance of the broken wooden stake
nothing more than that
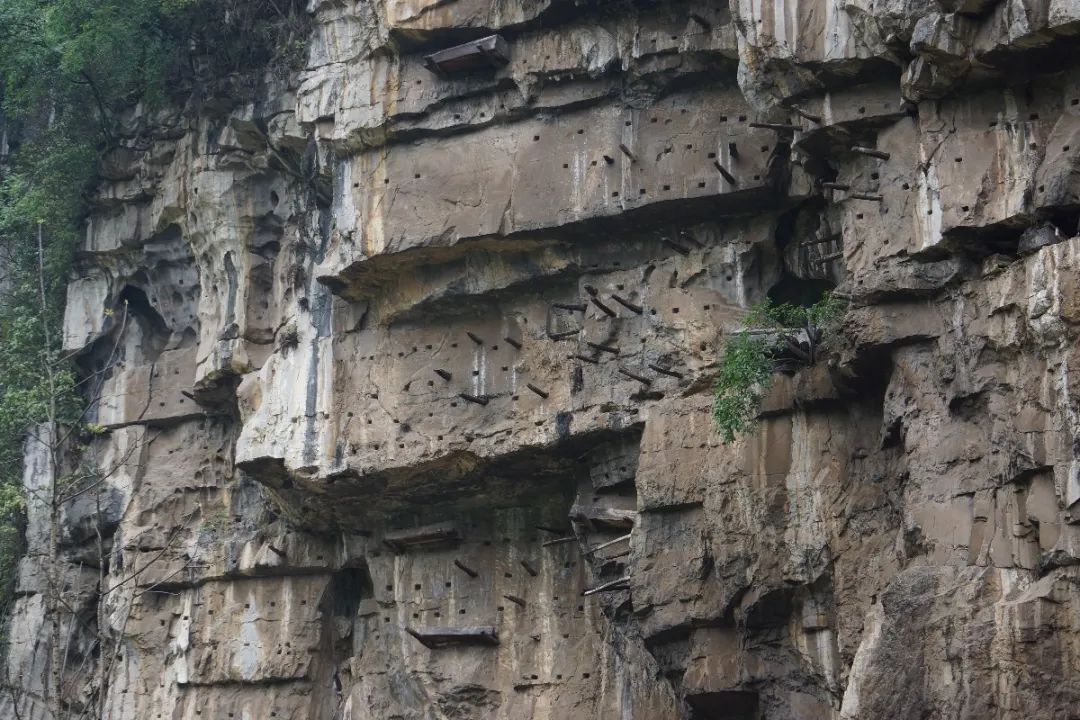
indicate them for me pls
(444, 374)
(478, 399)
(640, 378)
(612, 586)
(474, 337)
(701, 21)
(727, 176)
(627, 304)
(515, 599)
(776, 127)
(511, 341)
(560, 541)
(835, 186)
(733, 150)
(277, 551)
(881, 154)
(605, 348)
(865, 196)
(604, 308)
(466, 569)
(564, 334)
(609, 160)
(529, 568)
(831, 256)
(577, 307)
(809, 116)
(666, 371)
(536, 390)
(609, 543)
(584, 358)
(627, 153)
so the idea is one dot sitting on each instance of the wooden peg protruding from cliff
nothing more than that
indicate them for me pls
(666, 371)
(627, 304)
(871, 152)
(465, 569)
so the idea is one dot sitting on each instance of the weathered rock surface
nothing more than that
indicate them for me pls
(383, 334)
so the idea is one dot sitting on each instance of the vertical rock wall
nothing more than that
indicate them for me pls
(409, 358)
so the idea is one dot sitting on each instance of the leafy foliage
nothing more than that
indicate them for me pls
(745, 375)
(70, 72)
(749, 361)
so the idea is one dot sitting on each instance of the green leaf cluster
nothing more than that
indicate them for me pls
(745, 375)
(746, 369)
(768, 314)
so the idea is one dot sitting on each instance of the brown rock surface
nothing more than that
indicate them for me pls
(393, 333)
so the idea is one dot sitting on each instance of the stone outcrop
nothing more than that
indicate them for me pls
(408, 409)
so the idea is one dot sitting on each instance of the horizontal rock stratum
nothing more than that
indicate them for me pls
(419, 349)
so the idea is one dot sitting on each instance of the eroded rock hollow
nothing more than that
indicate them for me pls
(415, 350)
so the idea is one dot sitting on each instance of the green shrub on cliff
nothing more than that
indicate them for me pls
(767, 345)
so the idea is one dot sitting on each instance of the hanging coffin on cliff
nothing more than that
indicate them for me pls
(422, 538)
(436, 637)
(489, 52)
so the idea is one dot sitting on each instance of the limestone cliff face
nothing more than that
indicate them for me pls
(408, 342)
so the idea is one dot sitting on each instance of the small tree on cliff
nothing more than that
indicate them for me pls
(777, 338)
(70, 473)
(70, 70)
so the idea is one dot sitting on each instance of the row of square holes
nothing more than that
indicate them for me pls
(594, 163)
(963, 208)
(469, 437)
(463, 611)
(247, 606)
(1033, 116)
(742, 118)
(416, 586)
(581, 131)
(509, 575)
(666, 188)
(723, 118)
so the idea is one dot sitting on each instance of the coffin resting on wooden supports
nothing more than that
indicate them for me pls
(421, 538)
(489, 52)
(437, 637)
(605, 519)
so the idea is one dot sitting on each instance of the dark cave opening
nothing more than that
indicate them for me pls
(803, 292)
(724, 705)
(348, 587)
